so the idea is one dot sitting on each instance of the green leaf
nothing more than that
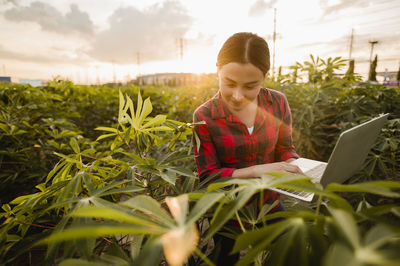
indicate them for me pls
(168, 176)
(74, 145)
(160, 128)
(378, 210)
(159, 119)
(151, 253)
(88, 182)
(109, 129)
(105, 136)
(81, 262)
(147, 109)
(339, 254)
(227, 212)
(136, 244)
(72, 189)
(380, 235)
(4, 127)
(122, 190)
(113, 214)
(68, 159)
(188, 184)
(198, 142)
(139, 106)
(20, 199)
(291, 248)
(13, 238)
(121, 106)
(347, 225)
(181, 171)
(258, 240)
(203, 205)
(115, 255)
(55, 170)
(383, 188)
(132, 120)
(151, 207)
(95, 231)
(6, 207)
(100, 191)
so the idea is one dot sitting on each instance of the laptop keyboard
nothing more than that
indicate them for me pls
(315, 173)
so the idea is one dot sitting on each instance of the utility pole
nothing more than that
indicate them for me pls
(97, 76)
(274, 40)
(114, 74)
(181, 48)
(87, 76)
(138, 62)
(351, 43)
(372, 49)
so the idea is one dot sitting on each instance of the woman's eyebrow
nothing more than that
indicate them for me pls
(252, 82)
(229, 80)
(247, 83)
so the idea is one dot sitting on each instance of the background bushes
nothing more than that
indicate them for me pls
(64, 175)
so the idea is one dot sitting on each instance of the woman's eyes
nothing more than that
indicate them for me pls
(249, 87)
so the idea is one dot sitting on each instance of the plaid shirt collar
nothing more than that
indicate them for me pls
(220, 110)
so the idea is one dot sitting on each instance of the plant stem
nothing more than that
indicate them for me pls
(103, 161)
(240, 222)
(35, 225)
(203, 257)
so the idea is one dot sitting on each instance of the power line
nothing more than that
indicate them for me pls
(380, 21)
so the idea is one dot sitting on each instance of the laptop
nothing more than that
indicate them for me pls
(346, 159)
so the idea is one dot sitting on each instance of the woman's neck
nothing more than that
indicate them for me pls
(247, 115)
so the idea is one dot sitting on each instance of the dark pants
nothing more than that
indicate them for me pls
(224, 245)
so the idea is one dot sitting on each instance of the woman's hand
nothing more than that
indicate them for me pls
(260, 169)
(283, 167)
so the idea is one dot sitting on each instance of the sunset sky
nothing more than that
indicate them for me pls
(88, 39)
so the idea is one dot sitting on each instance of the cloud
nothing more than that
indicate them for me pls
(260, 6)
(58, 58)
(5, 2)
(52, 20)
(152, 32)
(343, 4)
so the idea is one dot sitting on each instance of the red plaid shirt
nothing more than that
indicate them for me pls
(225, 142)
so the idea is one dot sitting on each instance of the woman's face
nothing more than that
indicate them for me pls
(239, 84)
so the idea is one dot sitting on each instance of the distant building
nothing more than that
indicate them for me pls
(5, 79)
(389, 78)
(32, 82)
(170, 79)
(387, 75)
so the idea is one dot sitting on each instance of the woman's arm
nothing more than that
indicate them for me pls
(260, 169)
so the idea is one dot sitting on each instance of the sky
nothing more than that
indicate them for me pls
(92, 41)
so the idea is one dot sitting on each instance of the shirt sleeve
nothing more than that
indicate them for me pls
(205, 153)
(284, 148)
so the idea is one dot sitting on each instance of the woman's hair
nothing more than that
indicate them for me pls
(245, 47)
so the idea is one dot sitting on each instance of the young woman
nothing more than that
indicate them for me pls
(248, 128)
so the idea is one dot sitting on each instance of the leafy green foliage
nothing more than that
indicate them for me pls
(132, 196)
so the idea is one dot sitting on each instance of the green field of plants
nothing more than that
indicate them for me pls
(105, 175)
